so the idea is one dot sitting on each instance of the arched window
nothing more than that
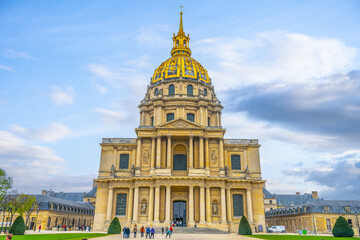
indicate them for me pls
(235, 162)
(189, 90)
(184, 42)
(190, 117)
(156, 92)
(169, 117)
(124, 161)
(205, 92)
(171, 90)
(177, 42)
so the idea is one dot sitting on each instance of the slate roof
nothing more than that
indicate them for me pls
(71, 196)
(290, 199)
(268, 194)
(92, 193)
(46, 201)
(334, 206)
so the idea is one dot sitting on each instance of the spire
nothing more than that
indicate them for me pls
(181, 29)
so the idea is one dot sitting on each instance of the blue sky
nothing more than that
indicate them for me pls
(287, 72)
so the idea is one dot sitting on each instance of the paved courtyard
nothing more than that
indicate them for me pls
(185, 237)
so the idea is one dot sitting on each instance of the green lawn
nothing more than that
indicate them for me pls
(56, 236)
(297, 237)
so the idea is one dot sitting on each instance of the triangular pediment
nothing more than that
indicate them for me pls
(179, 123)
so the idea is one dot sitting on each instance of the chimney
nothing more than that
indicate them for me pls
(297, 193)
(314, 195)
(43, 192)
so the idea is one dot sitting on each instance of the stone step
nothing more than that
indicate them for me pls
(191, 230)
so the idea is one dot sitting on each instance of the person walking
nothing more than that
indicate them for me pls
(124, 232)
(142, 230)
(135, 230)
(148, 232)
(168, 233)
(171, 231)
(39, 228)
(152, 232)
(162, 230)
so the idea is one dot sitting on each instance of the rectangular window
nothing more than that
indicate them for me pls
(121, 204)
(238, 205)
(190, 117)
(350, 222)
(208, 122)
(328, 224)
(169, 117)
(124, 161)
(235, 162)
(152, 121)
(326, 209)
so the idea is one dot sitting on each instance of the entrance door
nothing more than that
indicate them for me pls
(180, 162)
(179, 212)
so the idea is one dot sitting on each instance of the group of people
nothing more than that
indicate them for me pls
(147, 231)
(77, 228)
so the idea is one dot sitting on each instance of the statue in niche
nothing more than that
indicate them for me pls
(227, 171)
(146, 156)
(112, 170)
(247, 172)
(132, 170)
(215, 208)
(143, 207)
(213, 156)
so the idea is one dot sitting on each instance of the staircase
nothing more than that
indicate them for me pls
(192, 230)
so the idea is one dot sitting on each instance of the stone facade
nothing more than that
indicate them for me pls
(316, 217)
(180, 159)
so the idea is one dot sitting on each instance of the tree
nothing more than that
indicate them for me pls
(18, 228)
(5, 185)
(28, 213)
(244, 227)
(26, 202)
(115, 227)
(342, 228)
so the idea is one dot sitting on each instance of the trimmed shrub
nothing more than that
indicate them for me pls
(115, 227)
(18, 227)
(244, 227)
(342, 228)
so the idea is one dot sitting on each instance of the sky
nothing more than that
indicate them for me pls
(286, 72)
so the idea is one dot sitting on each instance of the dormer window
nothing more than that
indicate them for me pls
(326, 209)
(347, 209)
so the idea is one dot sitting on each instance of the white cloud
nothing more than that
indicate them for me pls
(63, 96)
(9, 53)
(35, 167)
(101, 88)
(49, 134)
(274, 56)
(110, 117)
(7, 68)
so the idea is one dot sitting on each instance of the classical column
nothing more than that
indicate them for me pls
(109, 205)
(167, 205)
(217, 119)
(151, 204)
(191, 205)
(130, 207)
(115, 156)
(201, 155)
(208, 205)
(221, 153)
(191, 152)
(157, 204)
(136, 204)
(152, 153)
(223, 206)
(158, 152)
(207, 160)
(228, 204)
(138, 153)
(202, 205)
(249, 205)
(246, 159)
(168, 162)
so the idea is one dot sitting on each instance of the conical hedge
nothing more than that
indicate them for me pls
(115, 227)
(342, 228)
(244, 227)
(18, 227)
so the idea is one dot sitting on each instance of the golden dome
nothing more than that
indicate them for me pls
(180, 64)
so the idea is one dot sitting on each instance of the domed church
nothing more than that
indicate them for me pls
(180, 169)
